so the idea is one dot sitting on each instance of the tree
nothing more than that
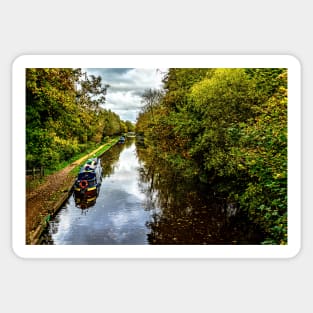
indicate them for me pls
(226, 128)
(151, 98)
(50, 104)
(64, 115)
(130, 126)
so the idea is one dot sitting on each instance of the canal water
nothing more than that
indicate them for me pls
(142, 202)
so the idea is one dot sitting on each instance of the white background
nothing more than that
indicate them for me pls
(160, 27)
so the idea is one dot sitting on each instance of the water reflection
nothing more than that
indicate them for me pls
(144, 201)
(117, 216)
(185, 213)
(84, 202)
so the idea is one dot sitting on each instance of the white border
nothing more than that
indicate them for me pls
(157, 61)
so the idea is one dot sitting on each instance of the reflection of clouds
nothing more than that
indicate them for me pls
(126, 175)
(118, 217)
(122, 218)
(124, 193)
(66, 223)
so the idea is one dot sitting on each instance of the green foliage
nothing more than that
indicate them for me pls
(227, 128)
(263, 150)
(64, 116)
(129, 126)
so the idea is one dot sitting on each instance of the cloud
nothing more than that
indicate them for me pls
(126, 87)
(123, 99)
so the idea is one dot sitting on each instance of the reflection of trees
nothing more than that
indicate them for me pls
(128, 142)
(185, 213)
(111, 157)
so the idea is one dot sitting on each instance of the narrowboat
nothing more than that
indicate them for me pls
(121, 140)
(89, 179)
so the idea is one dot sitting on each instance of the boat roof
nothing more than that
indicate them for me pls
(86, 168)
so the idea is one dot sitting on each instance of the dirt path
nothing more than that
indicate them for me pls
(43, 200)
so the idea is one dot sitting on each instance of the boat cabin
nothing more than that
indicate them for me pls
(89, 178)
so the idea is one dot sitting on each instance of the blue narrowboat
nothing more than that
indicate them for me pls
(121, 140)
(89, 179)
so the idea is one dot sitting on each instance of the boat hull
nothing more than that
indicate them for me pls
(87, 192)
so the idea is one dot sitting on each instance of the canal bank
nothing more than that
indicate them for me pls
(44, 202)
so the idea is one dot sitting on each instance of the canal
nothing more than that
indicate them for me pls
(141, 201)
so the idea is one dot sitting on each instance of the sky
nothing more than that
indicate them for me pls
(126, 87)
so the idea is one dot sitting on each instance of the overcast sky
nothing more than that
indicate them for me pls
(126, 87)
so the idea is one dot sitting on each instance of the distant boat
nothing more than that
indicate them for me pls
(89, 179)
(121, 140)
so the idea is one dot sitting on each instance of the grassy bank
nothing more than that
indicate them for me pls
(96, 153)
(104, 146)
(34, 183)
